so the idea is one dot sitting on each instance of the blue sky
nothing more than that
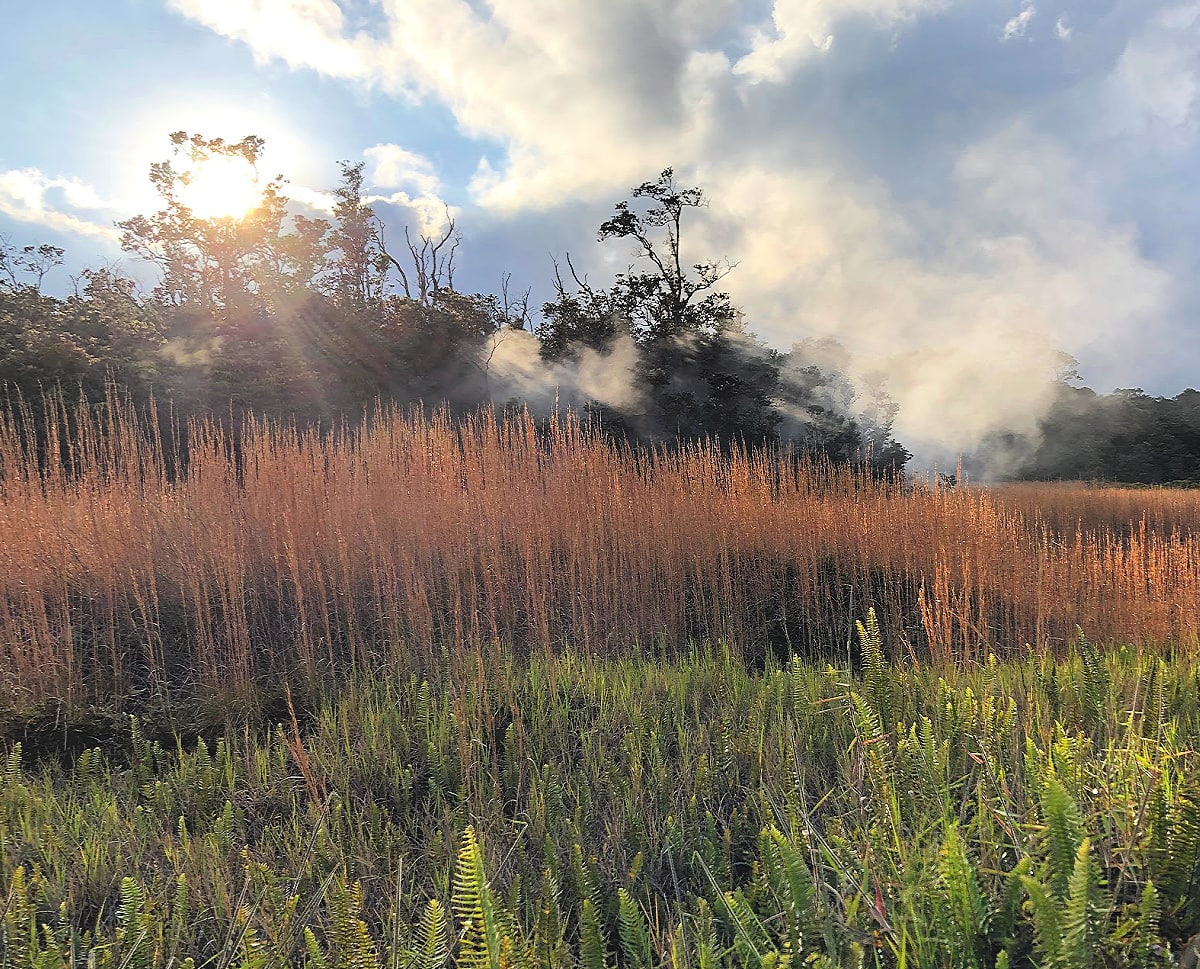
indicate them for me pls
(952, 188)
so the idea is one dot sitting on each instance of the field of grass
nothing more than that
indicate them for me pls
(500, 694)
(286, 555)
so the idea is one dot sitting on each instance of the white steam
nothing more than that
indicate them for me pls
(515, 371)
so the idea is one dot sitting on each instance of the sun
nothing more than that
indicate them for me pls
(222, 187)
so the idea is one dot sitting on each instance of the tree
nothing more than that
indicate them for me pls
(669, 300)
(360, 266)
(702, 373)
(230, 266)
(27, 266)
(102, 331)
(583, 317)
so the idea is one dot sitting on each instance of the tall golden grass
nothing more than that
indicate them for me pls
(287, 553)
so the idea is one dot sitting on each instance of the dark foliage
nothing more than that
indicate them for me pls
(1126, 436)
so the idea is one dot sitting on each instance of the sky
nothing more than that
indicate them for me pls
(954, 189)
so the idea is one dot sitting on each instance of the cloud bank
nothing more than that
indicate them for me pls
(62, 204)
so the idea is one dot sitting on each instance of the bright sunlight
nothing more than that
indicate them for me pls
(222, 186)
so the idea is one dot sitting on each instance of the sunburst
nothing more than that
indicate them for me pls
(222, 187)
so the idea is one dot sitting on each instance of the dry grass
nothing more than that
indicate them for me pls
(415, 538)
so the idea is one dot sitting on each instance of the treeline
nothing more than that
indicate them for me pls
(1126, 436)
(280, 313)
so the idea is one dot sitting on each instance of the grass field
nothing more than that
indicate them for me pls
(502, 694)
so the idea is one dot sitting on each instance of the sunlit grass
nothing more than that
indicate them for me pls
(283, 555)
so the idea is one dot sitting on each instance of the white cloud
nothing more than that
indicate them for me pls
(392, 166)
(415, 184)
(1062, 29)
(301, 33)
(584, 96)
(1017, 26)
(314, 199)
(800, 28)
(29, 195)
(1155, 86)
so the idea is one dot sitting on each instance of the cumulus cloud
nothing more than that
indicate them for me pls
(392, 166)
(414, 181)
(301, 33)
(394, 176)
(62, 204)
(800, 28)
(312, 199)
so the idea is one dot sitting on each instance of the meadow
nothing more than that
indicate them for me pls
(497, 692)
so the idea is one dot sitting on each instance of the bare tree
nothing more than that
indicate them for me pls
(432, 262)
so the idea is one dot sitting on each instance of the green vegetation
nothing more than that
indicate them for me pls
(642, 811)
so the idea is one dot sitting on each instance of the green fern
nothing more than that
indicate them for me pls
(134, 927)
(1064, 832)
(12, 768)
(752, 942)
(433, 944)
(350, 941)
(1095, 685)
(19, 923)
(591, 938)
(1147, 948)
(314, 956)
(1085, 913)
(481, 926)
(963, 906)
(1047, 923)
(179, 916)
(634, 933)
(877, 674)
(1003, 917)
(792, 882)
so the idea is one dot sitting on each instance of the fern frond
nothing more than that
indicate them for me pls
(433, 944)
(467, 902)
(1047, 925)
(963, 903)
(751, 941)
(591, 938)
(1064, 832)
(1084, 914)
(1096, 683)
(1147, 944)
(877, 677)
(792, 881)
(315, 957)
(634, 932)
